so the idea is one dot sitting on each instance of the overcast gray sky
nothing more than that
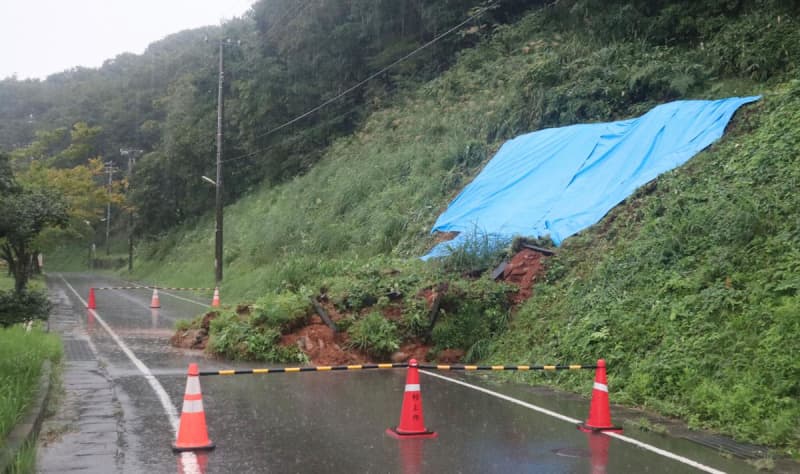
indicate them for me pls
(41, 37)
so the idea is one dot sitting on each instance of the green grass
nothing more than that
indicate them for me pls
(21, 356)
(374, 334)
(7, 282)
(377, 192)
(25, 462)
(689, 289)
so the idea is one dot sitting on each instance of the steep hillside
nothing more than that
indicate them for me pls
(377, 191)
(689, 289)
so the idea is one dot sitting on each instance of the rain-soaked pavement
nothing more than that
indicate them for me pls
(334, 422)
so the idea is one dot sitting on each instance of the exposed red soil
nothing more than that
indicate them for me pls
(393, 312)
(523, 270)
(322, 345)
(451, 356)
(440, 237)
(411, 350)
(194, 338)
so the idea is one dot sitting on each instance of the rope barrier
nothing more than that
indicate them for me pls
(403, 365)
(152, 288)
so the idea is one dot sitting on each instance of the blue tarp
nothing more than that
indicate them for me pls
(559, 181)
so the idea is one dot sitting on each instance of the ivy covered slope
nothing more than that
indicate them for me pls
(691, 289)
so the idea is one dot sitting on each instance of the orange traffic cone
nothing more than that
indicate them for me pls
(215, 300)
(91, 304)
(154, 302)
(600, 409)
(412, 420)
(598, 445)
(192, 432)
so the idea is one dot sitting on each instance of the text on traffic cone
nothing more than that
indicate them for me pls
(600, 408)
(154, 301)
(215, 300)
(92, 304)
(192, 431)
(412, 420)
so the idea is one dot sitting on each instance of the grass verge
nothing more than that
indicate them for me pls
(21, 356)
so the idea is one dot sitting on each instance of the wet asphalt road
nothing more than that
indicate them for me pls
(335, 422)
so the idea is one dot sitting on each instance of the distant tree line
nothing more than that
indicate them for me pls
(285, 57)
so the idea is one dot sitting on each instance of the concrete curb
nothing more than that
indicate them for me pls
(28, 428)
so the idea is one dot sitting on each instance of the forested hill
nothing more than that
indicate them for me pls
(283, 58)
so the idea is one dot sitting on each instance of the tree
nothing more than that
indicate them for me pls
(7, 183)
(24, 213)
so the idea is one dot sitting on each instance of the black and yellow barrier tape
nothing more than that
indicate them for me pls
(152, 288)
(403, 365)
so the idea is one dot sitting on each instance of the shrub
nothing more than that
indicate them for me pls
(19, 307)
(234, 336)
(414, 322)
(473, 311)
(185, 324)
(479, 251)
(374, 334)
(283, 311)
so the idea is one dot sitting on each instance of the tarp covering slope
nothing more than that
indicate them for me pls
(559, 181)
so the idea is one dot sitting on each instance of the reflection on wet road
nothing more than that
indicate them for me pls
(335, 421)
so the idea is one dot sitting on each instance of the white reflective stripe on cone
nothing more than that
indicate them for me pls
(413, 387)
(192, 386)
(601, 386)
(192, 406)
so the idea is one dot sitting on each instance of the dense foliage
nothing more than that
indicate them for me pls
(24, 214)
(282, 59)
(17, 307)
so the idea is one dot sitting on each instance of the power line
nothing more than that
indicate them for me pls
(289, 138)
(364, 81)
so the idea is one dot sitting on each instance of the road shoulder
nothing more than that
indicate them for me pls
(85, 433)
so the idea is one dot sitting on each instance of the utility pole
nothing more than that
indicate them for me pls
(220, 113)
(131, 153)
(131, 161)
(110, 170)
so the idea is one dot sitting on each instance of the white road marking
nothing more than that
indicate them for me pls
(205, 305)
(188, 458)
(568, 419)
(162, 292)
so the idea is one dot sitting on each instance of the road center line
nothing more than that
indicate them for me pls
(568, 419)
(189, 460)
